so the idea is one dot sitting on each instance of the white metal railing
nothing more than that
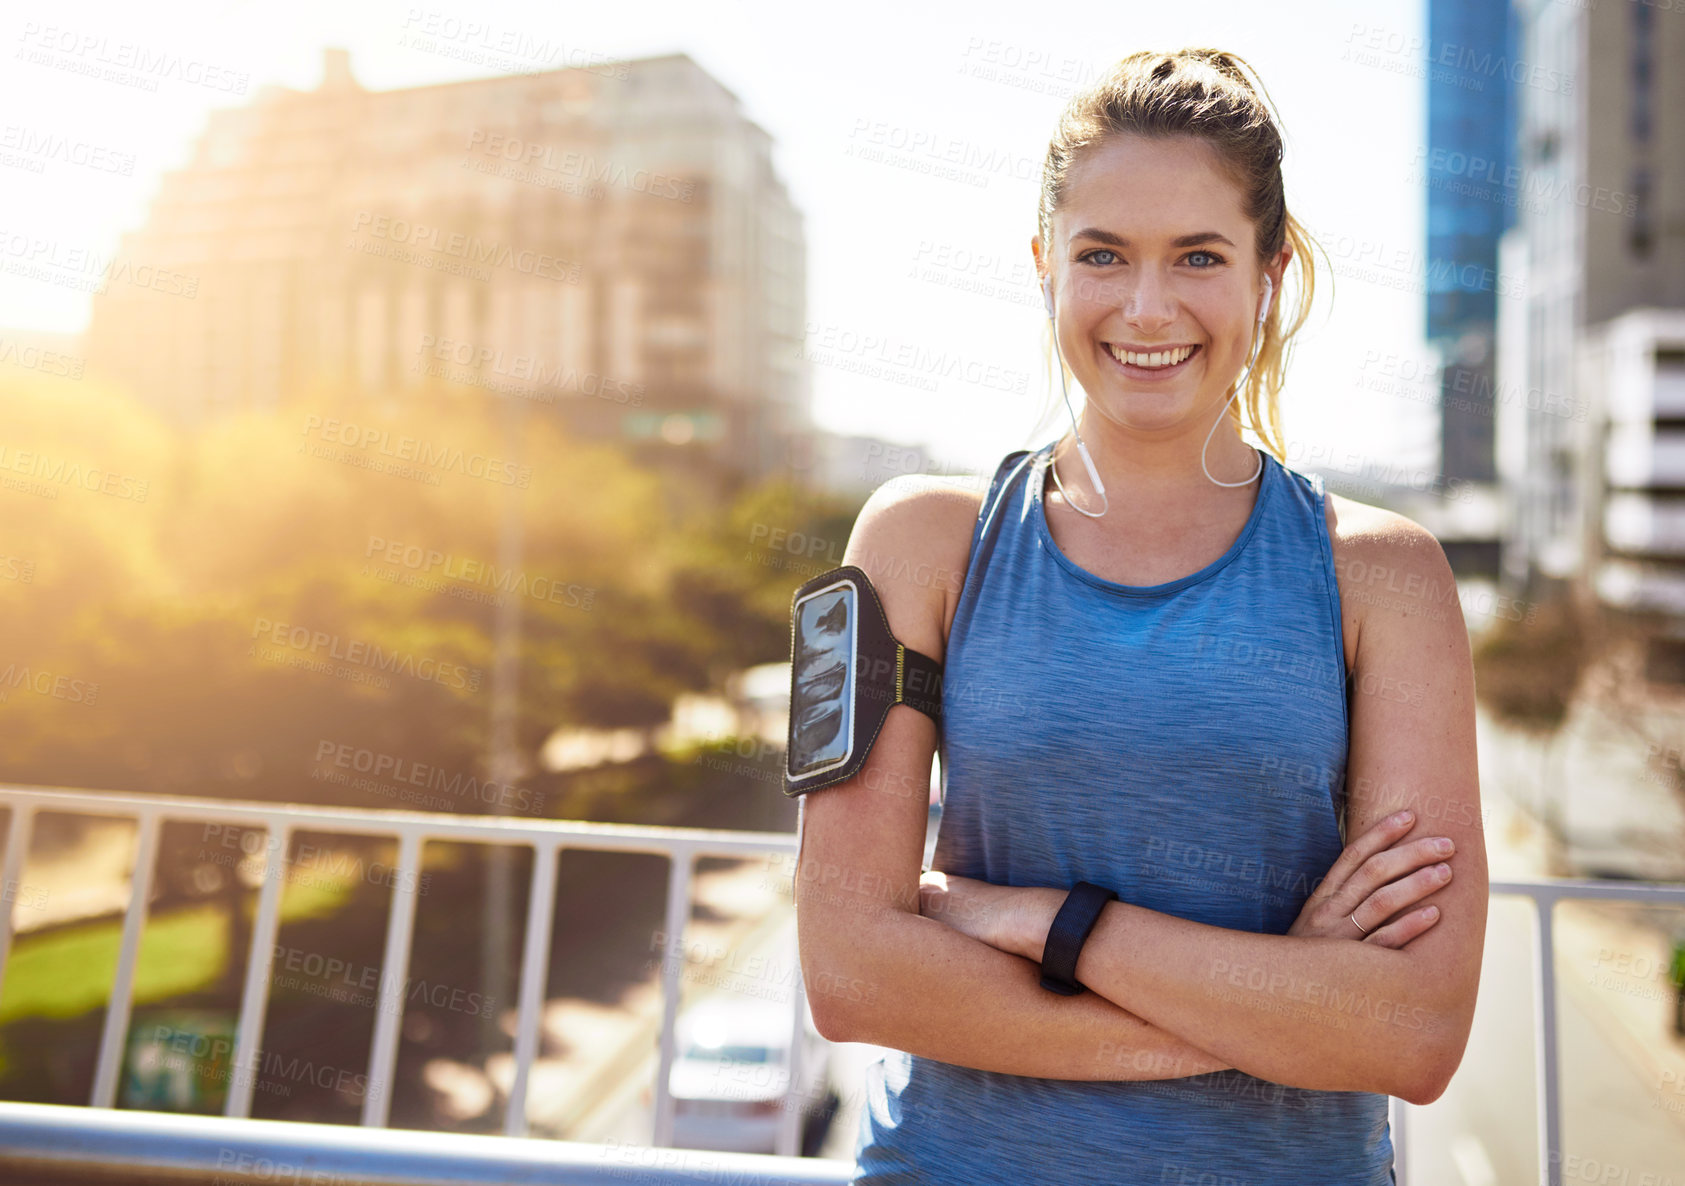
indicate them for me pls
(681, 845)
(1545, 894)
(59, 1143)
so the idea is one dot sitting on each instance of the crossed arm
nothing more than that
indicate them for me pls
(1170, 997)
(877, 971)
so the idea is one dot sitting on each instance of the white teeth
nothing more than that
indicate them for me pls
(1156, 358)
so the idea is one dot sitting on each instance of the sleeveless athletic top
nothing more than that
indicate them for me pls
(1181, 743)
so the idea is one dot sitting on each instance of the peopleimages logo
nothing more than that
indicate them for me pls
(377, 765)
(61, 472)
(413, 449)
(426, 563)
(824, 341)
(469, 248)
(1524, 184)
(579, 164)
(525, 368)
(315, 646)
(17, 676)
(46, 146)
(145, 63)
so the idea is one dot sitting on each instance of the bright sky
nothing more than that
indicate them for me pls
(896, 254)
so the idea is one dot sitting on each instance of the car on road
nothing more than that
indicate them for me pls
(730, 1077)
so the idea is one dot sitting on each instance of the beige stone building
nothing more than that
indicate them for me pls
(609, 242)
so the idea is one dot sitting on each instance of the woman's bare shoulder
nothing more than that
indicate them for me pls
(1378, 562)
(913, 538)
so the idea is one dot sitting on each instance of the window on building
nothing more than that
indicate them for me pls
(1640, 233)
(1643, 39)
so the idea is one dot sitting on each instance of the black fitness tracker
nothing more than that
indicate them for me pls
(1076, 918)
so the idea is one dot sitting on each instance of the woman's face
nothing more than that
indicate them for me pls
(1155, 280)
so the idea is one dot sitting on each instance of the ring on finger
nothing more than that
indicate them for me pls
(1355, 923)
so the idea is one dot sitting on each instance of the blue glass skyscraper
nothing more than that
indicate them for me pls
(1473, 189)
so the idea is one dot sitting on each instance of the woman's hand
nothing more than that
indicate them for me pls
(1370, 879)
(1003, 916)
(1374, 882)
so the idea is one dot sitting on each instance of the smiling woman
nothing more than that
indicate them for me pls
(1167, 696)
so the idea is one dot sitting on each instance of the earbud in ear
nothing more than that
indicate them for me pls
(1264, 305)
(1047, 293)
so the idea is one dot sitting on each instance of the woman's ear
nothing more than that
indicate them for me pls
(1276, 269)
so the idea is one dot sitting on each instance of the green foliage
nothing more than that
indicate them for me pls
(225, 610)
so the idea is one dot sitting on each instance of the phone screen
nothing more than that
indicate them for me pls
(822, 683)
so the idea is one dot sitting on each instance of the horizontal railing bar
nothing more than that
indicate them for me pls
(162, 1146)
(639, 838)
(1567, 889)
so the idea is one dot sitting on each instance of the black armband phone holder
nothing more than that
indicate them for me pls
(846, 671)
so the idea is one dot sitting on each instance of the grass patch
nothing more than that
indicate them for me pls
(68, 971)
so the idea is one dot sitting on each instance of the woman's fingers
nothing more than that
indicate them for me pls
(1399, 877)
(1397, 934)
(1376, 839)
(1402, 894)
(1375, 877)
(1338, 885)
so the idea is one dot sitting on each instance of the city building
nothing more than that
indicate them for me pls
(1465, 162)
(1593, 446)
(608, 238)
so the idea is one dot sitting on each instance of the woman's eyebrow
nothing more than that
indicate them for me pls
(1194, 240)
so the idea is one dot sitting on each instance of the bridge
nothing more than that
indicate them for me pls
(46, 1143)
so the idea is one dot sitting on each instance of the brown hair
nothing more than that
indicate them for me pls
(1204, 93)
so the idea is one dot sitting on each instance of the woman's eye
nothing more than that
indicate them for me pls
(1215, 259)
(1091, 257)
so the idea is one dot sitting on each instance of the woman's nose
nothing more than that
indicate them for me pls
(1148, 305)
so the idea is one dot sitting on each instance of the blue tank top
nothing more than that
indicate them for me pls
(1182, 743)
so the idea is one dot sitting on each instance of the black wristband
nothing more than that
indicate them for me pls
(1076, 918)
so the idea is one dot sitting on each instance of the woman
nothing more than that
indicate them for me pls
(1167, 673)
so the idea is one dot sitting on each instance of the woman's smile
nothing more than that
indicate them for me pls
(1149, 366)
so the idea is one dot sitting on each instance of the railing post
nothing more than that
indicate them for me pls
(113, 1039)
(394, 977)
(1544, 994)
(11, 875)
(672, 962)
(535, 963)
(790, 1122)
(254, 994)
(1400, 1110)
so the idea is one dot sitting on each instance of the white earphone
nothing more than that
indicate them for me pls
(1082, 448)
